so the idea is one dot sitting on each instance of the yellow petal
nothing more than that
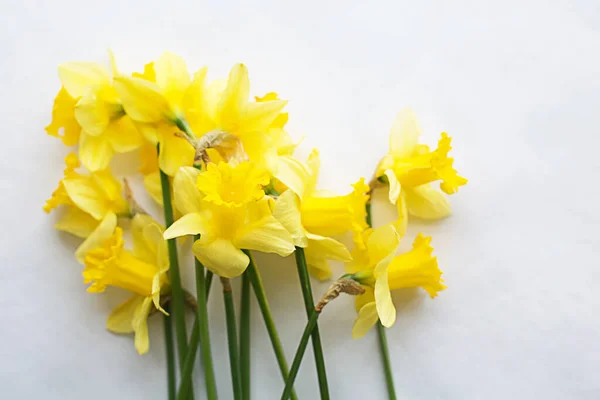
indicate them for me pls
(142, 100)
(221, 257)
(266, 235)
(83, 193)
(259, 116)
(189, 224)
(172, 77)
(142, 247)
(148, 159)
(93, 112)
(121, 318)
(314, 165)
(327, 248)
(95, 152)
(402, 222)
(77, 77)
(187, 196)
(77, 222)
(140, 326)
(287, 212)
(63, 118)
(175, 152)
(394, 186)
(405, 133)
(383, 300)
(153, 186)
(104, 230)
(367, 297)
(427, 203)
(367, 317)
(382, 241)
(123, 136)
(317, 266)
(234, 99)
(293, 174)
(110, 187)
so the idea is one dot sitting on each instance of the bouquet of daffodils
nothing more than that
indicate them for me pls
(221, 166)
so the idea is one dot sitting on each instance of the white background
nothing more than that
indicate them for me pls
(515, 83)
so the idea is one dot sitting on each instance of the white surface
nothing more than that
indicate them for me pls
(517, 86)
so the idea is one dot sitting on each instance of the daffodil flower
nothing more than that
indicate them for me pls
(105, 128)
(410, 168)
(156, 100)
(227, 206)
(142, 271)
(312, 216)
(92, 203)
(379, 269)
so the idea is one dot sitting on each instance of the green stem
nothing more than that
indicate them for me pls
(387, 365)
(188, 365)
(261, 297)
(383, 345)
(310, 305)
(234, 357)
(170, 354)
(176, 290)
(202, 318)
(245, 336)
(289, 383)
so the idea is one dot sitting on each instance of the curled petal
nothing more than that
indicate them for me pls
(189, 224)
(367, 317)
(221, 257)
(121, 318)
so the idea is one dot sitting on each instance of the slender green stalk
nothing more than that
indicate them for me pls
(387, 365)
(232, 338)
(170, 353)
(259, 291)
(178, 310)
(316, 337)
(289, 383)
(202, 318)
(245, 336)
(188, 366)
(383, 345)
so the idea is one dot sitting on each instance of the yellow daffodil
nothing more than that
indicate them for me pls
(141, 271)
(156, 100)
(379, 269)
(105, 128)
(227, 206)
(315, 216)
(410, 168)
(92, 203)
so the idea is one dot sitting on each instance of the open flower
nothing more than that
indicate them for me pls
(227, 206)
(380, 270)
(105, 128)
(410, 168)
(141, 271)
(92, 203)
(314, 216)
(156, 100)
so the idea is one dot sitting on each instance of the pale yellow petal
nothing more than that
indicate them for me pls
(189, 224)
(366, 319)
(221, 257)
(234, 99)
(362, 299)
(405, 133)
(293, 173)
(187, 196)
(317, 266)
(77, 77)
(142, 100)
(427, 202)
(175, 152)
(266, 235)
(104, 230)
(77, 222)
(143, 248)
(287, 212)
(394, 186)
(382, 241)
(140, 326)
(83, 193)
(402, 222)
(95, 152)
(327, 248)
(120, 319)
(92, 112)
(172, 77)
(153, 186)
(123, 136)
(383, 300)
(259, 116)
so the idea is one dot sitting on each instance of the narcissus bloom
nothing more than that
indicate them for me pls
(142, 271)
(380, 270)
(105, 128)
(312, 216)
(92, 203)
(227, 206)
(410, 168)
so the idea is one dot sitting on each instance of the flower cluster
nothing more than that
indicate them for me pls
(226, 163)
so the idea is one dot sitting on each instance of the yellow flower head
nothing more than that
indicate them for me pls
(379, 268)
(63, 119)
(228, 215)
(411, 167)
(141, 271)
(105, 129)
